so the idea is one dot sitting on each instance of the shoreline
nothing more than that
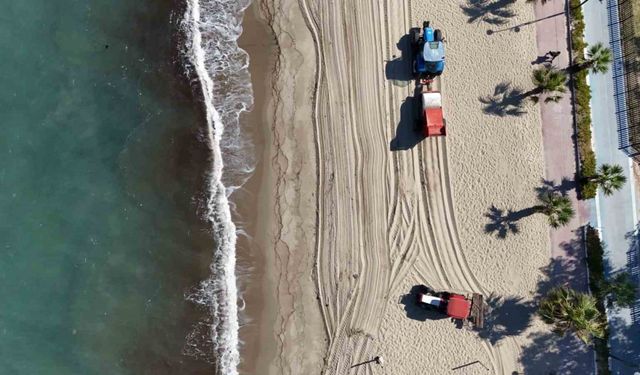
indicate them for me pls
(254, 201)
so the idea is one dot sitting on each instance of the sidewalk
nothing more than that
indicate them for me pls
(560, 164)
(559, 148)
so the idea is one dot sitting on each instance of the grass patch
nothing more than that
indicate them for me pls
(595, 263)
(586, 189)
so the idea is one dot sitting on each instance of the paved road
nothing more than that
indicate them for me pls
(615, 215)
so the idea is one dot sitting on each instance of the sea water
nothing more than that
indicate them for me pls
(114, 217)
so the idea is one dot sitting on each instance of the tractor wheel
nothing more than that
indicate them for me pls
(414, 37)
(437, 35)
(423, 289)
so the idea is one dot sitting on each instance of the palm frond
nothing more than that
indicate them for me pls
(610, 178)
(569, 310)
(599, 58)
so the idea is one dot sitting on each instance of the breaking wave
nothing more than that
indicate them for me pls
(212, 28)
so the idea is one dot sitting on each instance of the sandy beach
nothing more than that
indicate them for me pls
(353, 213)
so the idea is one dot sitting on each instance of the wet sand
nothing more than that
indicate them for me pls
(254, 202)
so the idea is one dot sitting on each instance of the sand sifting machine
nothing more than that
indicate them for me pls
(427, 45)
(456, 306)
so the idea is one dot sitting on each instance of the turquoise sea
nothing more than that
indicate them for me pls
(101, 183)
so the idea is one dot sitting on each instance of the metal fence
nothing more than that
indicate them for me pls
(633, 267)
(625, 46)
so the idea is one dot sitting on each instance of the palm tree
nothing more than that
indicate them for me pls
(557, 207)
(598, 59)
(569, 310)
(609, 178)
(622, 289)
(547, 81)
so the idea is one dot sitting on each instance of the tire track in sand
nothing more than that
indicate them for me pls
(379, 213)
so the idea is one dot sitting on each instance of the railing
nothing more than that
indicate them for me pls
(626, 75)
(633, 267)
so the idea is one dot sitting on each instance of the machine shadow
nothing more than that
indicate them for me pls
(407, 137)
(401, 68)
(414, 311)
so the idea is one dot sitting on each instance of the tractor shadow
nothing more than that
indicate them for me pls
(407, 137)
(506, 100)
(493, 12)
(416, 312)
(400, 69)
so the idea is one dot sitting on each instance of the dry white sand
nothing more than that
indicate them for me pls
(357, 225)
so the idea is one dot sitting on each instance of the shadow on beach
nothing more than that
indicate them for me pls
(493, 12)
(506, 100)
(503, 222)
(547, 352)
(508, 316)
(400, 69)
(407, 137)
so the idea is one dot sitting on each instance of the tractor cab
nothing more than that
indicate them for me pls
(428, 49)
(433, 57)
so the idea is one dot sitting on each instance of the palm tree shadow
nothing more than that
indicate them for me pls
(548, 353)
(505, 101)
(493, 12)
(550, 186)
(507, 317)
(502, 223)
(632, 268)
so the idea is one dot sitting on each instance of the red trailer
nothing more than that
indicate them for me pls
(430, 119)
(453, 305)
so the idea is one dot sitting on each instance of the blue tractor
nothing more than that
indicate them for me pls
(428, 50)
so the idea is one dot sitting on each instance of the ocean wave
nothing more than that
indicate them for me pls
(212, 28)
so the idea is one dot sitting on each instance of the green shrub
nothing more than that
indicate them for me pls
(586, 189)
(595, 263)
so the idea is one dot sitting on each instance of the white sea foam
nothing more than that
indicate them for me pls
(212, 28)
